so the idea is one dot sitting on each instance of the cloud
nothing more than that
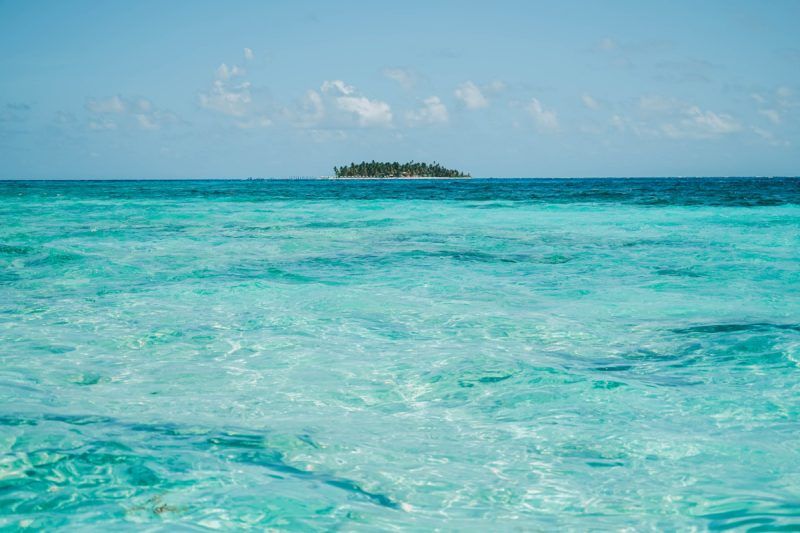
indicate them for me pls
(232, 97)
(306, 112)
(14, 112)
(772, 115)
(228, 99)
(785, 97)
(764, 134)
(685, 70)
(607, 43)
(115, 104)
(110, 113)
(102, 124)
(224, 72)
(623, 123)
(660, 104)
(664, 117)
(248, 54)
(150, 118)
(346, 99)
(314, 108)
(337, 85)
(18, 106)
(471, 95)
(699, 124)
(369, 112)
(433, 111)
(495, 86)
(546, 119)
(770, 137)
(146, 123)
(65, 118)
(405, 77)
(775, 104)
(256, 121)
(631, 55)
(589, 102)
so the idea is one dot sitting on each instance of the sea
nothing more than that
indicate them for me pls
(454, 355)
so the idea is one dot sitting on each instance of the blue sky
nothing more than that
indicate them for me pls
(184, 89)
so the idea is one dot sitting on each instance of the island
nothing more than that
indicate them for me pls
(412, 169)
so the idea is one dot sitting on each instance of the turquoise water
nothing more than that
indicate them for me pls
(527, 354)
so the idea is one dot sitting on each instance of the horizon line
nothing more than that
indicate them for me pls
(376, 178)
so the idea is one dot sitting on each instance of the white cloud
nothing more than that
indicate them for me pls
(345, 98)
(115, 104)
(656, 116)
(660, 104)
(764, 134)
(256, 121)
(770, 137)
(714, 123)
(772, 115)
(784, 95)
(228, 99)
(607, 43)
(144, 105)
(471, 95)
(139, 111)
(624, 123)
(315, 106)
(231, 97)
(680, 120)
(369, 112)
(248, 54)
(589, 102)
(224, 72)
(308, 112)
(338, 86)
(546, 119)
(496, 86)
(433, 111)
(102, 124)
(404, 77)
(148, 117)
(699, 124)
(775, 105)
(147, 122)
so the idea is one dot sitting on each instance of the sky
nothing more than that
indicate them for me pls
(196, 89)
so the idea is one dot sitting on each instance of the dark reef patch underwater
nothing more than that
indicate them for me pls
(531, 354)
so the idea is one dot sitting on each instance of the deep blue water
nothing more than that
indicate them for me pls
(637, 191)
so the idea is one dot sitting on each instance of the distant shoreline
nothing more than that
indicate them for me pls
(394, 178)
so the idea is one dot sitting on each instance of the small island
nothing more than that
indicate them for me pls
(412, 169)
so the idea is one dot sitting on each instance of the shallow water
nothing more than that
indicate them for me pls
(526, 354)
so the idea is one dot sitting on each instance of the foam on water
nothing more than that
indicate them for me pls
(528, 354)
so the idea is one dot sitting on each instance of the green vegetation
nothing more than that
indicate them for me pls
(411, 169)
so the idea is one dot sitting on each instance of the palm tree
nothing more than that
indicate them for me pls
(395, 169)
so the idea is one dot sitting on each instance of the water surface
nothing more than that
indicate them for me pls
(530, 354)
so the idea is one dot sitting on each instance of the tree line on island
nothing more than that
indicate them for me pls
(412, 169)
